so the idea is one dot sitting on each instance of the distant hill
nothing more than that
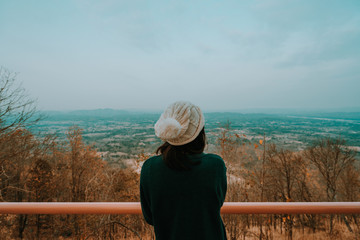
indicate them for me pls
(96, 114)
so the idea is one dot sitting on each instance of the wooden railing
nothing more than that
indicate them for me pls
(135, 208)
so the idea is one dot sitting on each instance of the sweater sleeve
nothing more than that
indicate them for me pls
(222, 182)
(145, 200)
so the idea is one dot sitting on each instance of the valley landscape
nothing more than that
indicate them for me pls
(122, 135)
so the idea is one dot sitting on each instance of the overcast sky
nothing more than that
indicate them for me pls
(221, 55)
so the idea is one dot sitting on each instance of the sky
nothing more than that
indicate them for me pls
(221, 55)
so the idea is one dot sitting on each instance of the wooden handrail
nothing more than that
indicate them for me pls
(135, 208)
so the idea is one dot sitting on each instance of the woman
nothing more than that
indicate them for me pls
(183, 189)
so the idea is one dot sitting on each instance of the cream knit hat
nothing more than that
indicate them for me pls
(180, 123)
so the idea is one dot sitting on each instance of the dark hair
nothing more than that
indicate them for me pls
(175, 157)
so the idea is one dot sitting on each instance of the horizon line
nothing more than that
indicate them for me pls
(206, 110)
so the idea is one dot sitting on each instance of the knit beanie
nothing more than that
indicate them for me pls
(180, 123)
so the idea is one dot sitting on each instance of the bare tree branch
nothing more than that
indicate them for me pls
(17, 109)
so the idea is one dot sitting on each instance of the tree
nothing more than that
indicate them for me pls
(331, 157)
(40, 186)
(285, 170)
(84, 165)
(17, 110)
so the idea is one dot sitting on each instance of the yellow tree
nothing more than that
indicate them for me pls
(17, 156)
(40, 185)
(82, 164)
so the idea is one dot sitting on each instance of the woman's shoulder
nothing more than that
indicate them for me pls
(148, 165)
(152, 161)
(213, 156)
(214, 159)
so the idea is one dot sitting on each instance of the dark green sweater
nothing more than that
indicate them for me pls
(184, 204)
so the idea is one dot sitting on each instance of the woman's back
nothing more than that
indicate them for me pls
(183, 189)
(184, 204)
